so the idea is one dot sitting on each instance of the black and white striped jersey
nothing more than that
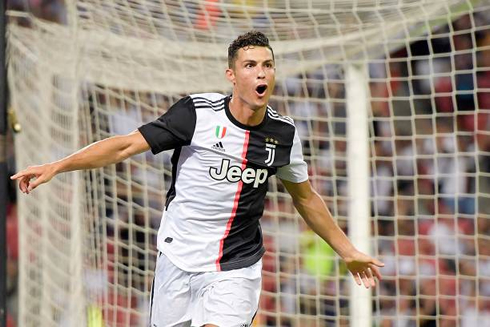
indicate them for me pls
(220, 169)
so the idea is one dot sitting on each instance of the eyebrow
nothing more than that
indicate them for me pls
(254, 61)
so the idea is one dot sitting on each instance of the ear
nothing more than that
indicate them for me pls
(230, 75)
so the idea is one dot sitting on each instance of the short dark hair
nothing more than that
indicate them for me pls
(249, 39)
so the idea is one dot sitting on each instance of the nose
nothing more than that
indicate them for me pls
(261, 73)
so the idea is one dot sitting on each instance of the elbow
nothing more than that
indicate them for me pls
(302, 206)
(125, 150)
(123, 155)
(300, 203)
(305, 199)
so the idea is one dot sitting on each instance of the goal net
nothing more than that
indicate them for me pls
(392, 102)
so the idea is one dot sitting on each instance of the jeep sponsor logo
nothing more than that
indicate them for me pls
(235, 173)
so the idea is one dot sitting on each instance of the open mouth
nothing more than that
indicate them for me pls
(261, 89)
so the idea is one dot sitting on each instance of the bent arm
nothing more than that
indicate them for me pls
(99, 154)
(316, 214)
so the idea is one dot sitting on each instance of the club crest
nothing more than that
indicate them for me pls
(270, 147)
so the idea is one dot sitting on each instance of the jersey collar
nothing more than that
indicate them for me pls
(236, 122)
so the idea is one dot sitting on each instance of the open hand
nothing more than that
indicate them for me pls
(364, 269)
(42, 174)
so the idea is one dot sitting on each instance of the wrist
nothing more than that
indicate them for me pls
(56, 167)
(349, 255)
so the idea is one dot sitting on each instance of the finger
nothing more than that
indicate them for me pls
(23, 184)
(20, 174)
(26, 185)
(35, 184)
(25, 180)
(21, 187)
(357, 278)
(370, 276)
(375, 271)
(377, 263)
(365, 280)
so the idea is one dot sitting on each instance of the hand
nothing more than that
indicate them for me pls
(42, 174)
(364, 269)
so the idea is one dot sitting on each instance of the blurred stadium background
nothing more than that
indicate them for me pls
(416, 73)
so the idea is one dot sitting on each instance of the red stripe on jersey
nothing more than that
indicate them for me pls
(235, 202)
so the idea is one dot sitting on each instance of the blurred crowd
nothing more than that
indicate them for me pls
(429, 138)
(430, 185)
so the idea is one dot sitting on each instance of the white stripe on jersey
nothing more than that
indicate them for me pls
(274, 115)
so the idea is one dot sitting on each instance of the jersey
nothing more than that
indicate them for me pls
(220, 171)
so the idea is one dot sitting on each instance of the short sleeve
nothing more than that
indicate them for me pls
(173, 129)
(297, 169)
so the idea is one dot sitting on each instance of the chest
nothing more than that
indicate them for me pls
(216, 136)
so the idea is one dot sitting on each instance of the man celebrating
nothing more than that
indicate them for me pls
(208, 270)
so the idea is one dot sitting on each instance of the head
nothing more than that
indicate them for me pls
(251, 69)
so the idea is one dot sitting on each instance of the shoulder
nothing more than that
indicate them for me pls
(280, 127)
(215, 101)
(286, 121)
(208, 96)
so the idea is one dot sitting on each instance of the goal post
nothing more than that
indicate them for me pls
(391, 101)
(356, 88)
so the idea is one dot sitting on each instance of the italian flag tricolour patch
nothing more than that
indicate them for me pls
(220, 131)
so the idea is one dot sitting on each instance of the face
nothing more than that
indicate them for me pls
(253, 76)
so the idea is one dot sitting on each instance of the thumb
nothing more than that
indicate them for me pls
(378, 263)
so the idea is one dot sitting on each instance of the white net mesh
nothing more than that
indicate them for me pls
(85, 70)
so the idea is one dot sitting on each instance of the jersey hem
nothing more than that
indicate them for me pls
(247, 262)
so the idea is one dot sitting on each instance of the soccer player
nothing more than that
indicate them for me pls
(208, 271)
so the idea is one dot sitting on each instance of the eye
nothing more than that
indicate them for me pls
(249, 65)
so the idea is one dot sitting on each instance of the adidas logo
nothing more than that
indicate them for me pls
(219, 146)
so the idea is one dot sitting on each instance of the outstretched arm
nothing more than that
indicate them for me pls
(99, 154)
(316, 214)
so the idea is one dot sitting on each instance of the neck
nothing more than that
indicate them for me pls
(244, 114)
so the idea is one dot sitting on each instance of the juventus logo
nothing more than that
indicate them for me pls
(271, 153)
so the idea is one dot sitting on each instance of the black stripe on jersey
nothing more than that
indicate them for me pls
(205, 106)
(276, 136)
(208, 100)
(206, 103)
(175, 163)
(211, 103)
(243, 246)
